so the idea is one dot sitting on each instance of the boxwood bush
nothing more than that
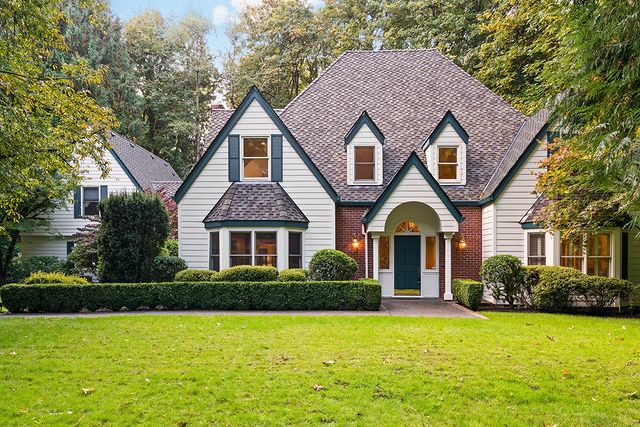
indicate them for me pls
(59, 278)
(248, 273)
(468, 292)
(504, 277)
(294, 275)
(165, 268)
(343, 295)
(193, 275)
(331, 264)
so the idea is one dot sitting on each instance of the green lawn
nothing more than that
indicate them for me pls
(514, 369)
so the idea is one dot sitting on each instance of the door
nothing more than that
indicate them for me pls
(406, 265)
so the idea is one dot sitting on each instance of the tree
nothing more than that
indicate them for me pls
(134, 228)
(84, 257)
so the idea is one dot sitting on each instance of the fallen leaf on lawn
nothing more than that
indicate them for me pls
(565, 372)
(329, 362)
(318, 387)
(88, 391)
(147, 380)
(624, 327)
(551, 338)
(13, 353)
(182, 424)
(571, 328)
(634, 395)
(630, 363)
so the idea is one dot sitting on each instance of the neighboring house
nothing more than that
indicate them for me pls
(398, 158)
(131, 168)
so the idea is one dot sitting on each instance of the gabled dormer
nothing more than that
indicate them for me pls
(446, 151)
(364, 143)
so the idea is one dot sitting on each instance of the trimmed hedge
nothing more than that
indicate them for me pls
(468, 292)
(346, 295)
(247, 273)
(165, 268)
(294, 275)
(193, 275)
(332, 264)
(58, 278)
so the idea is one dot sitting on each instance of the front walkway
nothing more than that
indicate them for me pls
(395, 307)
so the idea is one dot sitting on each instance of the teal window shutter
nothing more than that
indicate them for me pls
(104, 192)
(276, 158)
(234, 158)
(77, 205)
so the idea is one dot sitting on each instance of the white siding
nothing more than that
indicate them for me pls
(364, 137)
(448, 137)
(513, 203)
(488, 231)
(43, 246)
(298, 181)
(413, 188)
(63, 221)
(634, 257)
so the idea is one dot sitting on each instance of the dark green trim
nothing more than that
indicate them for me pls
(530, 226)
(362, 120)
(450, 119)
(253, 94)
(363, 203)
(255, 223)
(276, 158)
(413, 160)
(126, 170)
(234, 158)
(77, 202)
(625, 256)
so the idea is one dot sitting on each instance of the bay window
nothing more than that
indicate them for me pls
(265, 252)
(590, 254)
(536, 249)
(295, 249)
(214, 251)
(241, 253)
(253, 248)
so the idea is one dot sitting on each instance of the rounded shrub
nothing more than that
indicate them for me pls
(248, 273)
(170, 248)
(331, 264)
(193, 275)
(294, 275)
(47, 278)
(552, 286)
(165, 268)
(504, 277)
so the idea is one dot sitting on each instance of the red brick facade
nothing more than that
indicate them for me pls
(348, 223)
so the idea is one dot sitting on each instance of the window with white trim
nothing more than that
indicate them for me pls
(590, 254)
(255, 158)
(253, 248)
(214, 251)
(536, 254)
(364, 163)
(90, 201)
(295, 249)
(447, 163)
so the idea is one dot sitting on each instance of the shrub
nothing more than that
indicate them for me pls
(170, 248)
(345, 295)
(134, 228)
(165, 268)
(248, 273)
(193, 275)
(22, 267)
(331, 264)
(294, 275)
(59, 278)
(504, 277)
(468, 292)
(552, 286)
(598, 292)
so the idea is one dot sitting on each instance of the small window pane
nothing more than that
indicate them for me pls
(383, 253)
(240, 249)
(448, 155)
(365, 171)
(214, 256)
(446, 171)
(256, 168)
(430, 252)
(91, 199)
(537, 255)
(295, 250)
(91, 194)
(365, 154)
(240, 260)
(365, 164)
(256, 147)
(407, 227)
(266, 249)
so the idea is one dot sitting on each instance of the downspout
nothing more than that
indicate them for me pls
(366, 253)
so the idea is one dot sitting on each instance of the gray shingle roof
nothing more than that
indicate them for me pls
(534, 214)
(145, 166)
(168, 187)
(255, 202)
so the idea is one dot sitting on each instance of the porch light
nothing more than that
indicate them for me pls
(462, 244)
(355, 243)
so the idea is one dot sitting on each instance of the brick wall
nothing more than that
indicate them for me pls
(348, 222)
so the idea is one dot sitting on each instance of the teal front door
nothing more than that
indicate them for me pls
(406, 264)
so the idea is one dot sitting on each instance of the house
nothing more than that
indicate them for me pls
(398, 158)
(131, 168)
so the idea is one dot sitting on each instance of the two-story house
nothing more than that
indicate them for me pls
(398, 158)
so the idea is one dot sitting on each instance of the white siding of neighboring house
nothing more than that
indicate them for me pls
(364, 137)
(298, 181)
(63, 223)
(513, 203)
(413, 188)
(488, 231)
(634, 258)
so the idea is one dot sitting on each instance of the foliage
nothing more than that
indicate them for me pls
(345, 295)
(601, 292)
(504, 277)
(169, 248)
(172, 211)
(193, 275)
(21, 267)
(332, 264)
(294, 275)
(247, 273)
(468, 292)
(134, 228)
(57, 278)
(84, 256)
(165, 268)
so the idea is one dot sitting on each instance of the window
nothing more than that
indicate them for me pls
(599, 254)
(240, 249)
(214, 253)
(90, 200)
(407, 227)
(295, 250)
(383, 253)
(365, 163)
(255, 158)
(571, 254)
(536, 251)
(448, 163)
(431, 251)
(266, 253)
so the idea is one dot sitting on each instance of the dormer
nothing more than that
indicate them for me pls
(364, 143)
(446, 151)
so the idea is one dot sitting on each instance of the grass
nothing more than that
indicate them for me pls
(513, 369)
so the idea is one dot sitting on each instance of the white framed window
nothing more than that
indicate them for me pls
(364, 163)
(448, 165)
(384, 252)
(255, 154)
(214, 251)
(90, 201)
(590, 253)
(253, 248)
(447, 162)
(536, 251)
(295, 249)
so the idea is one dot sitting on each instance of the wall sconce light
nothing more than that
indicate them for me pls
(462, 244)
(355, 243)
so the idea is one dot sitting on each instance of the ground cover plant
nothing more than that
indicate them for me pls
(513, 369)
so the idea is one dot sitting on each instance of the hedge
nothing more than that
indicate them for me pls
(247, 273)
(57, 278)
(346, 295)
(194, 275)
(294, 275)
(468, 292)
(165, 268)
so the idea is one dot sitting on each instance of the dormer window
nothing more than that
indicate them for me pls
(255, 158)
(364, 152)
(364, 164)
(448, 163)
(446, 150)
